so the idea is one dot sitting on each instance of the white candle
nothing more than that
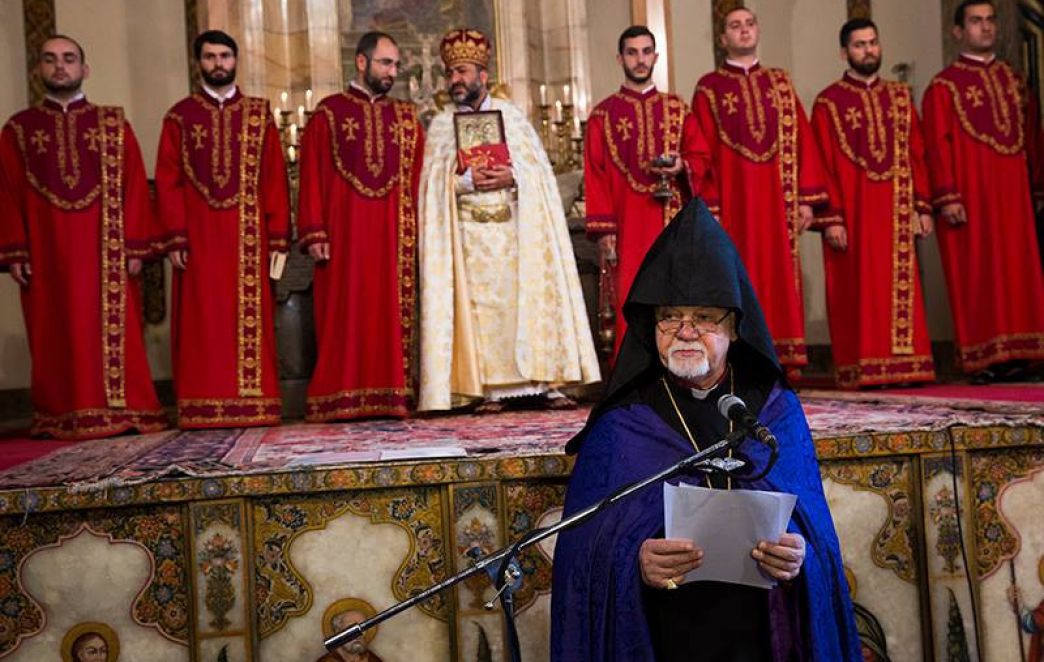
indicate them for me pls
(293, 134)
(565, 95)
(291, 154)
(283, 98)
(276, 112)
(543, 94)
(308, 99)
(581, 104)
(301, 115)
(558, 111)
(576, 125)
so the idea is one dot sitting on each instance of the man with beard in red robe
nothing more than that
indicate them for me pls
(982, 131)
(873, 151)
(629, 197)
(360, 167)
(74, 228)
(224, 208)
(765, 176)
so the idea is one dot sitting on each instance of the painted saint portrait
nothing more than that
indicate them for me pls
(90, 642)
(341, 615)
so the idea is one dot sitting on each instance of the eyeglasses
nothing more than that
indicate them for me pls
(387, 62)
(700, 322)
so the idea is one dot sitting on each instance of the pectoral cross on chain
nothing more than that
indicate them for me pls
(198, 134)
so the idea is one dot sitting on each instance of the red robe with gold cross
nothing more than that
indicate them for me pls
(75, 207)
(625, 132)
(222, 196)
(764, 163)
(873, 153)
(983, 138)
(360, 168)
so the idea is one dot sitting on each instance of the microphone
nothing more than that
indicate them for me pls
(734, 409)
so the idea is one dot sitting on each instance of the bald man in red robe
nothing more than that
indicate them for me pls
(74, 228)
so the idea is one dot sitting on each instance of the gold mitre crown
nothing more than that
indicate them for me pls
(465, 45)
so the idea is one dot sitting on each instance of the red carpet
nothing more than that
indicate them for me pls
(17, 447)
(994, 392)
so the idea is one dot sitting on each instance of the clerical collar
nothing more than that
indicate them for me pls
(367, 93)
(742, 67)
(487, 104)
(981, 59)
(648, 90)
(855, 80)
(701, 393)
(220, 98)
(80, 96)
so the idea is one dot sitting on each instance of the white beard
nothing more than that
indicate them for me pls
(688, 369)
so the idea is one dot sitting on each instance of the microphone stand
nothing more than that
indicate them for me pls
(507, 573)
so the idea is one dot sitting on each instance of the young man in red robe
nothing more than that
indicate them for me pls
(223, 204)
(873, 152)
(629, 197)
(982, 132)
(74, 228)
(360, 167)
(765, 177)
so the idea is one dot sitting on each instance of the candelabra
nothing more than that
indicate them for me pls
(562, 136)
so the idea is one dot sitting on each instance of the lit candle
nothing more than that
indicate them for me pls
(543, 94)
(276, 112)
(558, 111)
(565, 95)
(576, 125)
(293, 134)
(283, 98)
(308, 99)
(291, 154)
(301, 115)
(581, 104)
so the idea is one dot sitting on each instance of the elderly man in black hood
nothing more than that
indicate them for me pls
(695, 333)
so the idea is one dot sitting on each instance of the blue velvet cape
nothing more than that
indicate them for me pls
(597, 611)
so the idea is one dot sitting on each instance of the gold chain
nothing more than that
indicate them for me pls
(688, 433)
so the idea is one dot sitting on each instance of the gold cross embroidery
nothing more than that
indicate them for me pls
(40, 140)
(93, 137)
(349, 126)
(396, 133)
(729, 101)
(854, 118)
(624, 127)
(198, 134)
(974, 94)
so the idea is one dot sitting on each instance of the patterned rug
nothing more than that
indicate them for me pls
(133, 459)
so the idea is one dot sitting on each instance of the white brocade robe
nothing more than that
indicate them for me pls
(501, 304)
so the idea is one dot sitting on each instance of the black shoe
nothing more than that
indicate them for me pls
(983, 377)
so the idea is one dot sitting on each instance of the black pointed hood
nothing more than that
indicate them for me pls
(692, 263)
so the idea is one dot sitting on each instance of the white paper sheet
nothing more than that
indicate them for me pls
(726, 524)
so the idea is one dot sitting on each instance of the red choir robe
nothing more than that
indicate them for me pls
(873, 153)
(222, 196)
(76, 208)
(625, 132)
(360, 168)
(764, 163)
(982, 135)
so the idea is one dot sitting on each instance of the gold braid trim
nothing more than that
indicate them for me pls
(787, 147)
(114, 258)
(251, 272)
(407, 130)
(904, 268)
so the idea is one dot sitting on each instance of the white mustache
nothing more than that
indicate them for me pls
(687, 345)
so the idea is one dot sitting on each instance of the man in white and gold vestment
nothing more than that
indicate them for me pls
(502, 313)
